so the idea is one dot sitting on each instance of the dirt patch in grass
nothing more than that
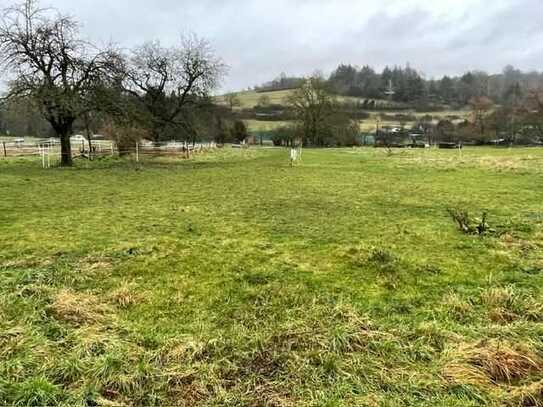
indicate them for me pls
(271, 395)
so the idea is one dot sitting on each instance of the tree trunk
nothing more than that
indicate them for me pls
(91, 147)
(65, 148)
(63, 130)
(89, 135)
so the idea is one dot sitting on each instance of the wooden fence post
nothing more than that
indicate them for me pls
(5, 151)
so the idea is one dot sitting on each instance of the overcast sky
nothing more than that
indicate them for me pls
(258, 39)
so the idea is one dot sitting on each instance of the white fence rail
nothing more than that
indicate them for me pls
(49, 150)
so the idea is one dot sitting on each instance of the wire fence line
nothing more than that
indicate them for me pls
(49, 150)
(171, 148)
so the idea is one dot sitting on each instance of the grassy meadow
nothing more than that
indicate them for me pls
(233, 279)
(250, 99)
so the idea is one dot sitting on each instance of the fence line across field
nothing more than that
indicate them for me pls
(50, 150)
(172, 148)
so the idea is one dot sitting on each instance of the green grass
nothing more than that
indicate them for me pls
(250, 99)
(234, 279)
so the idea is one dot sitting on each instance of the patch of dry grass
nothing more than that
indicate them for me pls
(507, 304)
(457, 307)
(127, 295)
(490, 362)
(530, 395)
(79, 308)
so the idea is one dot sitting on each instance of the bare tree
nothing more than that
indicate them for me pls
(232, 100)
(313, 107)
(531, 114)
(480, 107)
(165, 80)
(52, 66)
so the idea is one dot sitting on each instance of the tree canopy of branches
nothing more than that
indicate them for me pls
(165, 81)
(232, 100)
(480, 107)
(52, 66)
(239, 131)
(320, 120)
(312, 106)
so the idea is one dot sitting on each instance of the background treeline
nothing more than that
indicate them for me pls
(411, 87)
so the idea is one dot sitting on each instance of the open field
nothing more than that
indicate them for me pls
(250, 99)
(234, 279)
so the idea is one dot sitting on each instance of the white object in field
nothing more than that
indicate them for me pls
(45, 158)
(293, 154)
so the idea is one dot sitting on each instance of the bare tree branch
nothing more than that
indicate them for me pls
(52, 66)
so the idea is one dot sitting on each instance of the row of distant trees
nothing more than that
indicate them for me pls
(151, 89)
(409, 86)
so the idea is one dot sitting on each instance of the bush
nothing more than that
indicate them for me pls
(238, 131)
(285, 135)
(124, 136)
(468, 225)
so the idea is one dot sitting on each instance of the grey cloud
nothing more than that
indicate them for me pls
(260, 39)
